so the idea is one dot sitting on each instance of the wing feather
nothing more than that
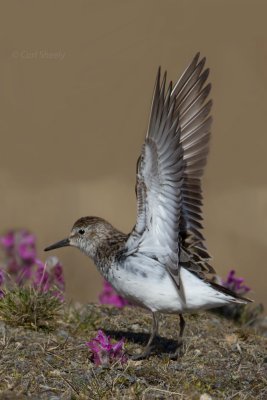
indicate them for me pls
(194, 111)
(169, 171)
(159, 182)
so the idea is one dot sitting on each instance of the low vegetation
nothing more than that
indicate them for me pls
(30, 308)
(221, 360)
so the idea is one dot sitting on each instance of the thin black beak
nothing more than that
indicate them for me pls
(61, 243)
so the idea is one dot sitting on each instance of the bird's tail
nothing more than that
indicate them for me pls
(236, 298)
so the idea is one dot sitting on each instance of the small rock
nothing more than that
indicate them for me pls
(55, 372)
(231, 339)
(205, 396)
(136, 327)
(177, 367)
(63, 333)
(197, 352)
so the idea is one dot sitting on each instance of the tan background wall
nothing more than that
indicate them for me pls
(72, 123)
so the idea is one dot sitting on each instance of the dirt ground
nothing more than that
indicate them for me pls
(220, 361)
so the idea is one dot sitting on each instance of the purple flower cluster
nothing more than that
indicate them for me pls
(49, 277)
(20, 254)
(235, 284)
(104, 352)
(109, 296)
(22, 267)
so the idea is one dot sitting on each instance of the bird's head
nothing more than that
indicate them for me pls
(86, 234)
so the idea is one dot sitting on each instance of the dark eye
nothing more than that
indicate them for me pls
(81, 231)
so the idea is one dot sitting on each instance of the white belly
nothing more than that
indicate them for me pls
(151, 286)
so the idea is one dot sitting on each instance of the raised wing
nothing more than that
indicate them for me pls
(168, 186)
(191, 93)
(159, 182)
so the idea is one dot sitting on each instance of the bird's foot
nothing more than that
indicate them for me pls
(145, 354)
(179, 352)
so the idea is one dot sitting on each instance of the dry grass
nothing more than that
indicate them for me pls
(221, 360)
(30, 308)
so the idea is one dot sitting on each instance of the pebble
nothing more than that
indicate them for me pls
(205, 396)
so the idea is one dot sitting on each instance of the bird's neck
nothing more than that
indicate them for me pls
(108, 248)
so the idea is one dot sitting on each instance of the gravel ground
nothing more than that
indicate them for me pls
(220, 361)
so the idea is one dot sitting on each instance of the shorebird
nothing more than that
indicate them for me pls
(163, 263)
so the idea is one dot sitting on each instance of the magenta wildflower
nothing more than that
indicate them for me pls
(235, 284)
(20, 253)
(27, 247)
(109, 296)
(104, 352)
(49, 276)
(22, 267)
(1, 277)
(7, 240)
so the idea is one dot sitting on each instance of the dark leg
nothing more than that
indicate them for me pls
(149, 346)
(181, 333)
(179, 349)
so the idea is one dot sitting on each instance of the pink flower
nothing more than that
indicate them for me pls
(49, 276)
(235, 284)
(109, 296)
(22, 267)
(7, 240)
(105, 353)
(1, 277)
(27, 247)
(20, 253)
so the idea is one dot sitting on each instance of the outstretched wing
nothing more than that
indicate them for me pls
(168, 186)
(159, 182)
(191, 93)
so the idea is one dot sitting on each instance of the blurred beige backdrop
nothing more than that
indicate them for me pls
(76, 84)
